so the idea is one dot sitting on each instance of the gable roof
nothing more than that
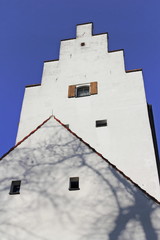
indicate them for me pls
(94, 150)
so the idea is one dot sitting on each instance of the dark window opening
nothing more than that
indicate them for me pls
(101, 123)
(66, 125)
(82, 44)
(15, 187)
(74, 183)
(82, 91)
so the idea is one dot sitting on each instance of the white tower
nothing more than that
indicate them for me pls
(112, 116)
(96, 178)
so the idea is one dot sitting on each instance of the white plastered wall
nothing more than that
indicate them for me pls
(127, 140)
(107, 206)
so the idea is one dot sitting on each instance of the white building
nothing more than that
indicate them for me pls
(120, 100)
(68, 190)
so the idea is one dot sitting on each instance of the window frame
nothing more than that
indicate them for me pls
(87, 86)
(93, 89)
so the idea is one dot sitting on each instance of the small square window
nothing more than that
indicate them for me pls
(82, 44)
(66, 125)
(15, 187)
(74, 183)
(101, 123)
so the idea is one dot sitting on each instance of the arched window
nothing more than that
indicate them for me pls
(82, 91)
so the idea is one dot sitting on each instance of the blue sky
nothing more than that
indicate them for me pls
(30, 33)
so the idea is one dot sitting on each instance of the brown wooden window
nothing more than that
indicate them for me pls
(83, 90)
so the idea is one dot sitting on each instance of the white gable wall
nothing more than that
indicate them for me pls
(106, 207)
(127, 140)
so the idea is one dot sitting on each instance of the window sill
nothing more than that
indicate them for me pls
(83, 96)
(73, 189)
(14, 193)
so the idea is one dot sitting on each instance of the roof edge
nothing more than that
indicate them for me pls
(106, 160)
(118, 50)
(84, 23)
(52, 60)
(99, 154)
(134, 70)
(33, 85)
(11, 149)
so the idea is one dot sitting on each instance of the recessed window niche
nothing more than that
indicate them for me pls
(15, 187)
(74, 183)
(101, 123)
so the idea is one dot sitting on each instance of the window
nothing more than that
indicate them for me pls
(66, 125)
(15, 187)
(101, 123)
(82, 44)
(74, 183)
(80, 90)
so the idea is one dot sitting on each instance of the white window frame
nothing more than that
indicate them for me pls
(82, 85)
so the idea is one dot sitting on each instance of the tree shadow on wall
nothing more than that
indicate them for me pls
(114, 210)
(141, 211)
